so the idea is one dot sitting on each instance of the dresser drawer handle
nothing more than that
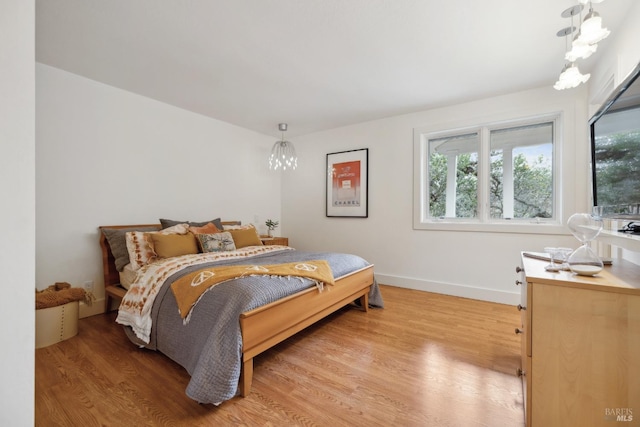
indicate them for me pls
(518, 269)
(521, 307)
(518, 282)
(520, 372)
(519, 331)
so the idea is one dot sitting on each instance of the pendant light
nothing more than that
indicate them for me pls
(283, 155)
(591, 31)
(570, 76)
(579, 48)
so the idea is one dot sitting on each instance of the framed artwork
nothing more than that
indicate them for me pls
(348, 183)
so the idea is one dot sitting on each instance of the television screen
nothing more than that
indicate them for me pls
(615, 149)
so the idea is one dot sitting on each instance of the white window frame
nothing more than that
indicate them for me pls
(421, 220)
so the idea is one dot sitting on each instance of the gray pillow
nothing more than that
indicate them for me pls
(166, 223)
(118, 244)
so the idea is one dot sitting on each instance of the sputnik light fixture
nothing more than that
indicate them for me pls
(283, 155)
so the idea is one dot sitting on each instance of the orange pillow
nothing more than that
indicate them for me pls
(170, 245)
(245, 237)
(209, 228)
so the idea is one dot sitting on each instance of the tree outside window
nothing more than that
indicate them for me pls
(453, 176)
(518, 182)
(521, 183)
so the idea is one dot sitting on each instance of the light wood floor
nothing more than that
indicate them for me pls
(424, 360)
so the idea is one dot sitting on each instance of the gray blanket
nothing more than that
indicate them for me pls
(209, 347)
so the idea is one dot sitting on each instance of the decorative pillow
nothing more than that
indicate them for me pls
(237, 227)
(216, 242)
(181, 228)
(140, 245)
(140, 249)
(166, 223)
(245, 236)
(116, 237)
(171, 245)
(210, 228)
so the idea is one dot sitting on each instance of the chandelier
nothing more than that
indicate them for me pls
(583, 45)
(283, 155)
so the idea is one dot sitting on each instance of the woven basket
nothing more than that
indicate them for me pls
(55, 324)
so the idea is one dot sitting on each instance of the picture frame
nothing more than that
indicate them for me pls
(348, 184)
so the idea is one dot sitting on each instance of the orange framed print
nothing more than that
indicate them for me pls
(348, 183)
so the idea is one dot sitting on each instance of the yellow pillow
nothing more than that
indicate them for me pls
(246, 236)
(170, 245)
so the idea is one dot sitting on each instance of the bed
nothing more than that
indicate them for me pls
(219, 373)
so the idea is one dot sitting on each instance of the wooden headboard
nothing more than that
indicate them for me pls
(109, 271)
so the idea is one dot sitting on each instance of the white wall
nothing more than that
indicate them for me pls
(470, 264)
(476, 265)
(17, 192)
(619, 55)
(106, 156)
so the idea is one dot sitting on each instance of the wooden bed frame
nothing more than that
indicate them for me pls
(265, 326)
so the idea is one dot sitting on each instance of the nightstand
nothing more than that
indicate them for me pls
(266, 240)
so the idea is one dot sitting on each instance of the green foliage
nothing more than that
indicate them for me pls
(466, 185)
(438, 185)
(533, 186)
(271, 225)
(618, 168)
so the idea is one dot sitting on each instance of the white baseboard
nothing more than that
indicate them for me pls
(482, 294)
(96, 307)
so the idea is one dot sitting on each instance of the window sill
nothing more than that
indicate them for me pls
(515, 227)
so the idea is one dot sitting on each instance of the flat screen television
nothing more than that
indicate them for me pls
(615, 152)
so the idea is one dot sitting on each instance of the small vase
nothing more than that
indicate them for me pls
(270, 232)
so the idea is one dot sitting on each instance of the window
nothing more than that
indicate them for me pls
(521, 181)
(453, 176)
(488, 174)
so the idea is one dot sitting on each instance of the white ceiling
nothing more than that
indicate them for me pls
(315, 64)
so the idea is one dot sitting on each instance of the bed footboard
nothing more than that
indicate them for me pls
(266, 326)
